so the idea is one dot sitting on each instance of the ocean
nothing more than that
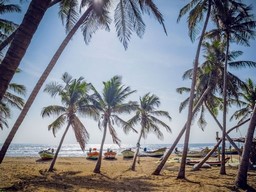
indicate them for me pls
(74, 150)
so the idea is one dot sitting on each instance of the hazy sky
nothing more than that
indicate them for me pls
(153, 64)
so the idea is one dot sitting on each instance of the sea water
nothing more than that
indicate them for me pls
(74, 150)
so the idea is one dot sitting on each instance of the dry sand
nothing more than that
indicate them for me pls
(76, 174)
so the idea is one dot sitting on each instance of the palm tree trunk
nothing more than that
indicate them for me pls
(169, 152)
(58, 149)
(19, 45)
(137, 152)
(229, 139)
(241, 179)
(39, 84)
(223, 168)
(181, 174)
(98, 164)
(199, 165)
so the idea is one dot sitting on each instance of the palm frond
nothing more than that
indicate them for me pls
(98, 19)
(68, 12)
(13, 100)
(113, 133)
(150, 7)
(124, 124)
(53, 110)
(57, 124)
(242, 64)
(162, 114)
(82, 136)
(201, 121)
(182, 90)
(183, 105)
(123, 22)
(17, 88)
(160, 122)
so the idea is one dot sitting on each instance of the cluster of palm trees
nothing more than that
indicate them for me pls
(213, 87)
(105, 108)
(233, 23)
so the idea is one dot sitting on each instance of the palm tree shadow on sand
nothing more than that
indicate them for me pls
(71, 181)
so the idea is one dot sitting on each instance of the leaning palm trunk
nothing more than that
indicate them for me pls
(21, 42)
(241, 179)
(229, 139)
(98, 164)
(169, 152)
(58, 150)
(197, 167)
(137, 152)
(40, 84)
(181, 174)
(223, 168)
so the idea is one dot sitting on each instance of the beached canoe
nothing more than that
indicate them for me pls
(46, 154)
(128, 153)
(196, 154)
(93, 155)
(212, 163)
(110, 155)
(154, 153)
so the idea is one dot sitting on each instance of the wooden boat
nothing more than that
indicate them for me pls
(196, 154)
(155, 153)
(128, 153)
(110, 155)
(46, 154)
(93, 155)
(212, 163)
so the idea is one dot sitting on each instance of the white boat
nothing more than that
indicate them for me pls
(46, 154)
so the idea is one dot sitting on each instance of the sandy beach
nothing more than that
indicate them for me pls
(76, 174)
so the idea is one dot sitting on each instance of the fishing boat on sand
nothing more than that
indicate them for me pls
(154, 153)
(196, 154)
(128, 153)
(46, 154)
(93, 154)
(110, 154)
(212, 163)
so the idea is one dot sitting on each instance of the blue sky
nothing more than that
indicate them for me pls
(153, 64)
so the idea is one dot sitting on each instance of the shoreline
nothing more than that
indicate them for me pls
(76, 174)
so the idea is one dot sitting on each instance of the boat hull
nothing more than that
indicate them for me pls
(110, 155)
(156, 153)
(93, 155)
(128, 154)
(45, 155)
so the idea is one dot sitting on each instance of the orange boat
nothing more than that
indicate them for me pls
(110, 155)
(93, 155)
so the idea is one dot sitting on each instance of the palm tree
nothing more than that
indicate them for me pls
(248, 95)
(95, 17)
(236, 24)
(75, 99)
(146, 115)
(196, 15)
(110, 104)
(197, 7)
